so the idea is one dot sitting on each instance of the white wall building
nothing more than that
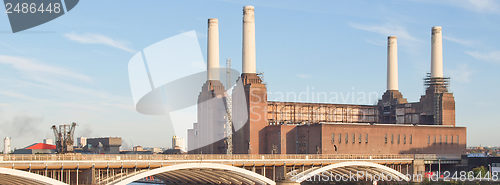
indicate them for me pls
(48, 141)
(6, 145)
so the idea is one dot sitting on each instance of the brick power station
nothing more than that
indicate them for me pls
(392, 126)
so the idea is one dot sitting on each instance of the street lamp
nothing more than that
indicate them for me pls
(489, 171)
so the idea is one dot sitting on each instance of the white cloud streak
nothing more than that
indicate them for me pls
(92, 38)
(478, 6)
(491, 56)
(31, 67)
(460, 41)
(462, 73)
(303, 76)
(386, 30)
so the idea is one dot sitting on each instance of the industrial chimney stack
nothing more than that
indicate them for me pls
(249, 55)
(392, 63)
(437, 52)
(213, 50)
(392, 97)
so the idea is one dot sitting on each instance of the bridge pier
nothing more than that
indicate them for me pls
(418, 166)
(87, 176)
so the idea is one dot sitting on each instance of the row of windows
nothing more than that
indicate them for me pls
(346, 138)
(453, 140)
(398, 139)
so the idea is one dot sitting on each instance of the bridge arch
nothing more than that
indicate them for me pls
(12, 176)
(200, 173)
(367, 171)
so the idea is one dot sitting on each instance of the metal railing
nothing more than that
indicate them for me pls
(120, 157)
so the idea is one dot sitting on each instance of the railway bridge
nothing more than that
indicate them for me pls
(212, 169)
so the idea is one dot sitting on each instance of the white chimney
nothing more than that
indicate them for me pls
(6, 145)
(392, 63)
(249, 56)
(437, 52)
(213, 50)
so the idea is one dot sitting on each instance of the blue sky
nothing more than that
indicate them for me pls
(74, 68)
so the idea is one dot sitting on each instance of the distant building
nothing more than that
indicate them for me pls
(103, 145)
(48, 141)
(177, 146)
(178, 143)
(137, 149)
(81, 142)
(37, 148)
(156, 150)
(6, 145)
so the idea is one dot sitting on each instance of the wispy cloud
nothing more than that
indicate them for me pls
(57, 82)
(93, 38)
(34, 67)
(491, 56)
(462, 73)
(376, 42)
(460, 41)
(18, 96)
(303, 76)
(478, 6)
(386, 30)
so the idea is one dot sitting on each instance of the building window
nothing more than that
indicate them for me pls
(451, 142)
(404, 139)
(353, 138)
(340, 138)
(399, 138)
(385, 138)
(458, 141)
(440, 139)
(411, 139)
(346, 138)
(435, 140)
(445, 139)
(366, 138)
(333, 138)
(392, 138)
(428, 139)
(359, 139)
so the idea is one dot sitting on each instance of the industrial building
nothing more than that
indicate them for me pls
(392, 126)
(103, 145)
(81, 142)
(37, 148)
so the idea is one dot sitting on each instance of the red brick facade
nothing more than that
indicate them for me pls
(364, 139)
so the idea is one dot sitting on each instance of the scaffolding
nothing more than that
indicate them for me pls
(310, 113)
(229, 107)
(439, 84)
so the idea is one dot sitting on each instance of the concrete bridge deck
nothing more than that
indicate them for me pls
(113, 169)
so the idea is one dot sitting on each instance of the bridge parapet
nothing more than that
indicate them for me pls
(124, 157)
(102, 169)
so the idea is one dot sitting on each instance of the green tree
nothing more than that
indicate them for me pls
(481, 169)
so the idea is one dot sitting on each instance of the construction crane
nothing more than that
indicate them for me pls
(64, 137)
